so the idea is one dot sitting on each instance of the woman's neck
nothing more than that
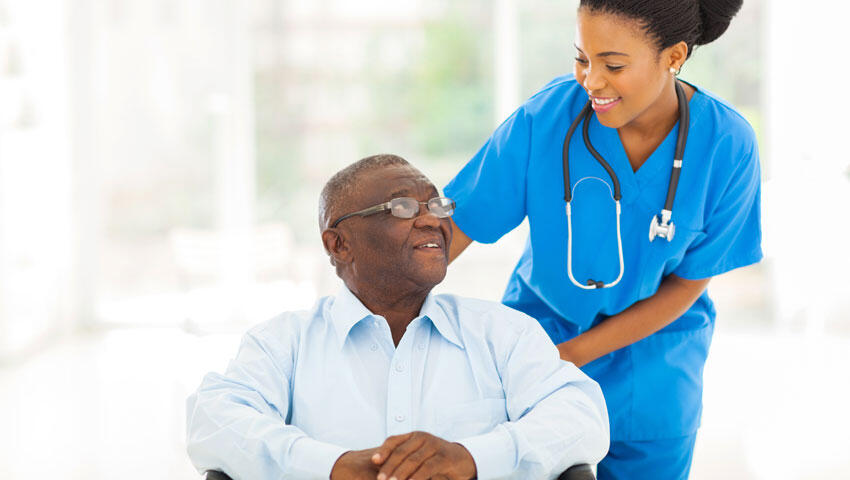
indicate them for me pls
(644, 134)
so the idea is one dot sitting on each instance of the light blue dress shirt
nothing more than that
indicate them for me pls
(305, 387)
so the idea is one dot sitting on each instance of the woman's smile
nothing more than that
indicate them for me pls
(604, 104)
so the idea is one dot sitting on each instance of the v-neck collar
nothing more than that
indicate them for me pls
(611, 148)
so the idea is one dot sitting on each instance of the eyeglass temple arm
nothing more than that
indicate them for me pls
(364, 212)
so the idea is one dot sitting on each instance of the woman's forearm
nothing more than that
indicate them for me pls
(459, 242)
(674, 297)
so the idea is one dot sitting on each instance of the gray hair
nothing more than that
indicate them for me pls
(343, 184)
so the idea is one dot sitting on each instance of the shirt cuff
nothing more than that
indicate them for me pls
(314, 459)
(494, 453)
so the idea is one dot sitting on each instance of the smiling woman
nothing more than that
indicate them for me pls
(645, 134)
(628, 81)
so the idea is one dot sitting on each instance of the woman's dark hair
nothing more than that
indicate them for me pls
(696, 22)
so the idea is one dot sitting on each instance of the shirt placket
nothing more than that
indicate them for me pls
(399, 402)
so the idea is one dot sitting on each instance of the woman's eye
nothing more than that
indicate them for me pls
(615, 68)
(581, 61)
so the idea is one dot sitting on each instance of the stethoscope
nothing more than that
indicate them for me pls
(657, 228)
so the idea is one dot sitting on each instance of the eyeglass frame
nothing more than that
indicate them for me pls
(381, 207)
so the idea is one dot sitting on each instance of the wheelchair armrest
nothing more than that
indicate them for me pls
(216, 475)
(576, 472)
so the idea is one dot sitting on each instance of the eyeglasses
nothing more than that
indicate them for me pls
(406, 207)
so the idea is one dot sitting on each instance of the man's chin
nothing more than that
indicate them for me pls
(430, 275)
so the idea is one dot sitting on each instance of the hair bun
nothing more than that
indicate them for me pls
(716, 16)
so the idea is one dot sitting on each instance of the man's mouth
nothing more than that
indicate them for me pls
(433, 244)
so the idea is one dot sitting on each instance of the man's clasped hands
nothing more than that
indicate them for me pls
(411, 456)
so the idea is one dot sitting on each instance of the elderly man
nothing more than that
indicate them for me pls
(387, 381)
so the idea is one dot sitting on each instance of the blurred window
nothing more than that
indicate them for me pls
(204, 131)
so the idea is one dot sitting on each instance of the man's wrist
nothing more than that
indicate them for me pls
(339, 463)
(494, 453)
(313, 458)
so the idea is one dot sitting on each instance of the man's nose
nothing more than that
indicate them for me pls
(426, 219)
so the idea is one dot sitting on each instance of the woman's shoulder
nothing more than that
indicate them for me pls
(560, 83)
(563, 91)
(728, 122)
(729, 142)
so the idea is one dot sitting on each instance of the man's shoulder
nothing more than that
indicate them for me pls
(476, 313)
(292, 323)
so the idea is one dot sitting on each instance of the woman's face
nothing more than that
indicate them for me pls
(620, 67)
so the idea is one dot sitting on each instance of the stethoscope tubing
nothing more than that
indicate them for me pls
(666, 213)
(594, 285)
(681, 140)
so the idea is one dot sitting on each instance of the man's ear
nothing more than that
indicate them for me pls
(337, 246)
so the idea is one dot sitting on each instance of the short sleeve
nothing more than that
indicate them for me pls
(731, 237)
(490, 191)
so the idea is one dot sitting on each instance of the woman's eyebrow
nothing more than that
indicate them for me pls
(604, 54)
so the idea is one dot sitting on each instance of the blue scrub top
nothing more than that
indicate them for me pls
(653, 387)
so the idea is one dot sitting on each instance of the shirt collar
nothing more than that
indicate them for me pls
(347, 311)
(432, 310)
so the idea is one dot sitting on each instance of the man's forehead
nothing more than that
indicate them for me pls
(398, 180)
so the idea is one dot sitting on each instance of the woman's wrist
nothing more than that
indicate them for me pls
(570, 351)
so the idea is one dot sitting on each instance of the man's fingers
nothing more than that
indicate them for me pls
(413, 462)
(429, 469)
(399, 454)
(388, 446)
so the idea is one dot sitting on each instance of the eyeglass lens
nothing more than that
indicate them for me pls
(406, 207)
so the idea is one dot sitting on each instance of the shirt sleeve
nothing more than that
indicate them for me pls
(557, 414)
(731, 237)
(236, 422)
(490, 191)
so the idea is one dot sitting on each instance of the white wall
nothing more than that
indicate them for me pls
(807, 189)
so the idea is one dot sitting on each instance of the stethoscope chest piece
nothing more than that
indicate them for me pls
(663, 228)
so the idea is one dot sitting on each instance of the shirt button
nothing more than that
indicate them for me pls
(399, 418)
(399, 367)
(421, 346)
(374, 347)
